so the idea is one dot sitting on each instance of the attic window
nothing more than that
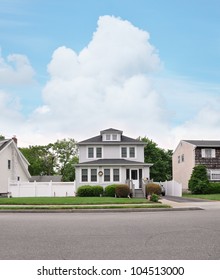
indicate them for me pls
(108, 137)
(114, 137)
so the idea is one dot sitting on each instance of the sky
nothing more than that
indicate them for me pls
(69, 69)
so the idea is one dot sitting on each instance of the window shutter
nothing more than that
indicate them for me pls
(203, 153)
(213, 153)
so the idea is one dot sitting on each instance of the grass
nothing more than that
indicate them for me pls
(70, 201)
(57, 207)
(204, 196)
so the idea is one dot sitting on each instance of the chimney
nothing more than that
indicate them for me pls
(15, 140)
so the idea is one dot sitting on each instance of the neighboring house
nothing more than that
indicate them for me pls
(190, 153)
(111, 158)
(13, 165)
(46, 178)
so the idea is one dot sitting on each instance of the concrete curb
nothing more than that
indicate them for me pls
(99, 210)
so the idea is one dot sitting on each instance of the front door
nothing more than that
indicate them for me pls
(134, 178)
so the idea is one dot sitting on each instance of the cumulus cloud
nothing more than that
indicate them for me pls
(107, 84)
(15, 70)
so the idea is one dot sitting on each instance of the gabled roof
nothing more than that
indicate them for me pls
(111, 161)
(111, 130)
(7, 142)
(204, 143)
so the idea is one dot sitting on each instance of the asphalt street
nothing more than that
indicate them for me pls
(148, 235)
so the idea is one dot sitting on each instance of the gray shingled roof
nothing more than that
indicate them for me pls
(111, 130)
(110, 161)
(204, 143)
(4, 143)
(98, 140)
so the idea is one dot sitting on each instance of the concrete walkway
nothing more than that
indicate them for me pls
(181, 202)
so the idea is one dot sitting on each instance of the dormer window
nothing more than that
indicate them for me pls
(114, 137)
(108, 137)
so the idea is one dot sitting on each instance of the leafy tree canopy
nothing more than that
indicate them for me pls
(161, 159)
(55, 158)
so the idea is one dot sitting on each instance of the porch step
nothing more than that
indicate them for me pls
(138, 193)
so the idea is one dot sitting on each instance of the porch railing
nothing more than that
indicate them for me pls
(131, 186)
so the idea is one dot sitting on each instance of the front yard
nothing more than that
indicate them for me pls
(55, 203)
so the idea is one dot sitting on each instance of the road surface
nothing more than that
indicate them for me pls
(149, 235)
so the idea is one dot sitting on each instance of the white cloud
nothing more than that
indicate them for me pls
(15, 70)
(112, 82)
(107, 84)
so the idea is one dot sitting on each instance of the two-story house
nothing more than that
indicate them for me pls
(111, 158)
(13, 165)
(190, 153)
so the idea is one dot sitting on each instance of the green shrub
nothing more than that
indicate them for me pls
(110, 190)
(122, 190)
(154, 197)
(153, 188)
(214, 188)
(198, 182)
(90, 190)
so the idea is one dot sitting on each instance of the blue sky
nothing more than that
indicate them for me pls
(184, 84)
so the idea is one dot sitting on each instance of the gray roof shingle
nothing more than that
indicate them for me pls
(204, 143)
(113, 162)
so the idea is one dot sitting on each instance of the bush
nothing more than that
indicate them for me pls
(110, 190)
(152, 188)
(214, 188)
(154, 197)
(90, 190)
(199, 182)
(122, 190)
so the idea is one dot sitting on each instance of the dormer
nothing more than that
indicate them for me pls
(111, 134)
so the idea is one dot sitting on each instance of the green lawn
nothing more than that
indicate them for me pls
(70, 200)
(204, 196)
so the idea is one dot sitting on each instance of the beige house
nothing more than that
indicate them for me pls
(13, 165)
(190, 153)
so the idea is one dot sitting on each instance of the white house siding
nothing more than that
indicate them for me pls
(182, 169)
(6, 174)
(111, 152)
(100, 179)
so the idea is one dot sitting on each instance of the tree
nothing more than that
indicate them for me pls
(161, 159)
(199, 182)
(42, 161)
(55, 158)
(2, 137)
(66, 155)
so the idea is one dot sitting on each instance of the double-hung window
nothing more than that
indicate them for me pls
(208, 153)
(116, 177)
(106, 175)
(93, 175)
(98, 152)
(132, 152)
(124, 152)
(84, 175)
(90, 152)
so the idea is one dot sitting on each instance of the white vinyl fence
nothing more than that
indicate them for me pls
(172, 188)
(41, 189)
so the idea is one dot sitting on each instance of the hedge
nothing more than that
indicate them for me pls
(214, 188)
(88, 190)
(152, 188)
(122, 190)
(110, 190)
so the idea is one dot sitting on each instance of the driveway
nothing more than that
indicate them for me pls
(190, 203)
